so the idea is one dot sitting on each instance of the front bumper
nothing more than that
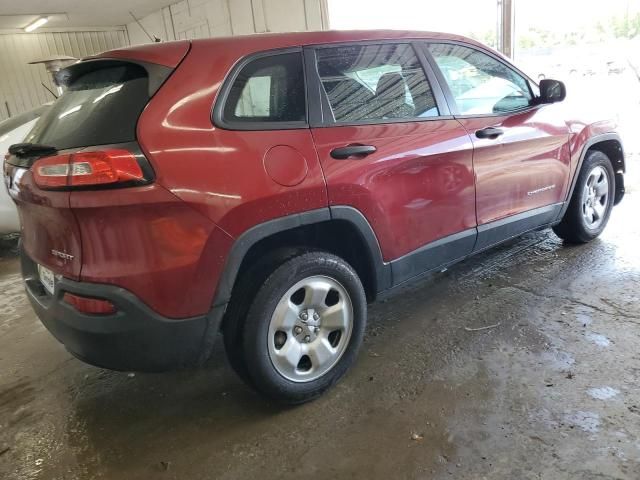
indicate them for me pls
(135, 338)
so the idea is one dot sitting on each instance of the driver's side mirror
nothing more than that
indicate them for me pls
(551, 91)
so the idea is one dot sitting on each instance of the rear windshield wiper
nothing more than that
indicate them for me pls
(31, 149)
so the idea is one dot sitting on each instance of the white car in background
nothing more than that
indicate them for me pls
(14, 130)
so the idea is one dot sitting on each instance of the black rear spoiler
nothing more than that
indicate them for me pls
(156, 73)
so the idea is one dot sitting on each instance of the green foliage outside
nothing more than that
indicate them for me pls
(625, 26)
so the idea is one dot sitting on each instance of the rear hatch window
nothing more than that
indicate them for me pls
(100, 106)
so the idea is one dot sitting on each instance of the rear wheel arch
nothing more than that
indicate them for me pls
(341, 230)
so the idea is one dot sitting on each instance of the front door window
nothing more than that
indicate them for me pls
(480, 84)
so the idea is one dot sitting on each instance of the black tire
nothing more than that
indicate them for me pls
(574, 227)
(246, 287)
(260, 372)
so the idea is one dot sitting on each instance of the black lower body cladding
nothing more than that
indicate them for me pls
(134, 338)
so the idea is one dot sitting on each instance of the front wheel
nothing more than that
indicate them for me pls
(592, 200)
(304, 327)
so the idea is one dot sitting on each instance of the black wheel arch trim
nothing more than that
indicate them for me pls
(585, 149)
(387, 275)
(381, 270)
(252, 236)
(382, 274)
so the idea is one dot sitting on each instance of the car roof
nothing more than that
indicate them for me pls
(264, 41)
(170, 53)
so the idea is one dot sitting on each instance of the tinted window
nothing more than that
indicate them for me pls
(268, 89)
(99, 106)
(479, 83)
(375, 82)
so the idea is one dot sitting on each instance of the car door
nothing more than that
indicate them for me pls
(389, 149)
(521, 151)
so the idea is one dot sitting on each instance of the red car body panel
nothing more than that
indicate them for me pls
(168, 242)
(48, 225)
(525, 168)
(581, 131)
(168, 54)
(416, 188)
(222, 173)
(148, 241)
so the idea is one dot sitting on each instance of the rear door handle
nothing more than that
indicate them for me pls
(356, 151)
(489, 132)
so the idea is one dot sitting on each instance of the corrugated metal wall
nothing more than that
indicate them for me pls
(21, 84)
(213, 18)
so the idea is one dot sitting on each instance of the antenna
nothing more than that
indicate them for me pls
(49, 90)
(54, 64)
(153, 38)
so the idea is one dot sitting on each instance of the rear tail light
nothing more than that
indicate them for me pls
(93, 306)
(103, 167)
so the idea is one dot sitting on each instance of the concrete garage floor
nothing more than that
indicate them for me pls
(552, 392)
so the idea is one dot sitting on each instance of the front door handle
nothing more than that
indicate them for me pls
(489, 132)
(356, 151)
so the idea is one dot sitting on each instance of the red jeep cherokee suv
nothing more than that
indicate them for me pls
(269, 186)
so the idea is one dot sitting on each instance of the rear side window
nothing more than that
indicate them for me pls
(368, 83)
(268, 90)
(100, 106)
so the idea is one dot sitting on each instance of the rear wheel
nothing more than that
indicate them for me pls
(303, 328)
(246, 287)
(591, 203)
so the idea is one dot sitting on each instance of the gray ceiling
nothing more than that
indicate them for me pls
(17, 14)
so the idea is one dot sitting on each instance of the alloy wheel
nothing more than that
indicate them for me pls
(310, 328)
(595, 197)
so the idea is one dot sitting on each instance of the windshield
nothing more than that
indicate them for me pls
(100, 106)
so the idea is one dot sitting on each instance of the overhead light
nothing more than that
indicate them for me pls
(37, 24)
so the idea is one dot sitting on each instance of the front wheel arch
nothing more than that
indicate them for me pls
(573, 227)
(613, 150)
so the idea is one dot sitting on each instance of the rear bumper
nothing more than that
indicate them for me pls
(135, 338)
